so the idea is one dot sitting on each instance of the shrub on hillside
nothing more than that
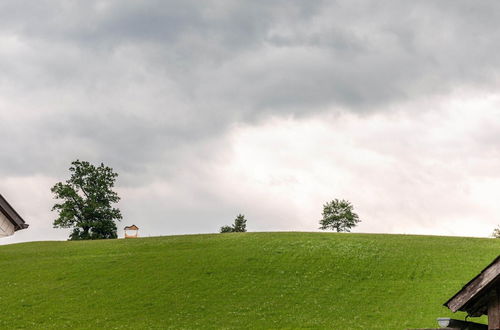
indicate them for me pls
(226, 229)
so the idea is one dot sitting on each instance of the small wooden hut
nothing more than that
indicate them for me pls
(131, 231)
(10, 220)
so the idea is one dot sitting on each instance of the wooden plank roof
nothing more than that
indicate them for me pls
(12, 215)
(473, 297)
(133, 227)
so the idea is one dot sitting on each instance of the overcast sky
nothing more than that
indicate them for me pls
(207, 109)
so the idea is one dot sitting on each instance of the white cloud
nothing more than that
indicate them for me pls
(406, 172)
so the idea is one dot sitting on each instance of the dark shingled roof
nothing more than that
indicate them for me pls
(12, 215)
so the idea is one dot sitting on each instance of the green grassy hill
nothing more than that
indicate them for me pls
(251, 280)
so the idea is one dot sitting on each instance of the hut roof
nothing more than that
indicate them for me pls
(133, 227)
(473, 297)
(11, 214)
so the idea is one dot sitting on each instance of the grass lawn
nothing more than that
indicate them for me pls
(249, 280)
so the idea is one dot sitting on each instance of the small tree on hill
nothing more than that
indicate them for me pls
(496, 232)
(86, 202)
(338, 215)
(239, 226)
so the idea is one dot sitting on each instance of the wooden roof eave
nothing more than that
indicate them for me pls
(469, 299)
(11, 214)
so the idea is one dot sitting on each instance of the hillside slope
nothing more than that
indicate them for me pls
(252, 280)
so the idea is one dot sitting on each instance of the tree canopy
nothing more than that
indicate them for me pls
(86, 200)
(338, 215)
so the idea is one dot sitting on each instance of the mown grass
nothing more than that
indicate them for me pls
(250, 280)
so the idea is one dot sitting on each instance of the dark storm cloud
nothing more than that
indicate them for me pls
(144, 84)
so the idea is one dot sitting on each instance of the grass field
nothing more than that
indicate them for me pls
(250, 280)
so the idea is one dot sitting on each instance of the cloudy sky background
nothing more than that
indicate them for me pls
(212, 108)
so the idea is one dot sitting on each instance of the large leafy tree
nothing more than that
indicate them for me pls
(85, 202)
(338, 215)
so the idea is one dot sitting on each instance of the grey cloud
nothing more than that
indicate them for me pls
(145, 84)
(356, 54)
